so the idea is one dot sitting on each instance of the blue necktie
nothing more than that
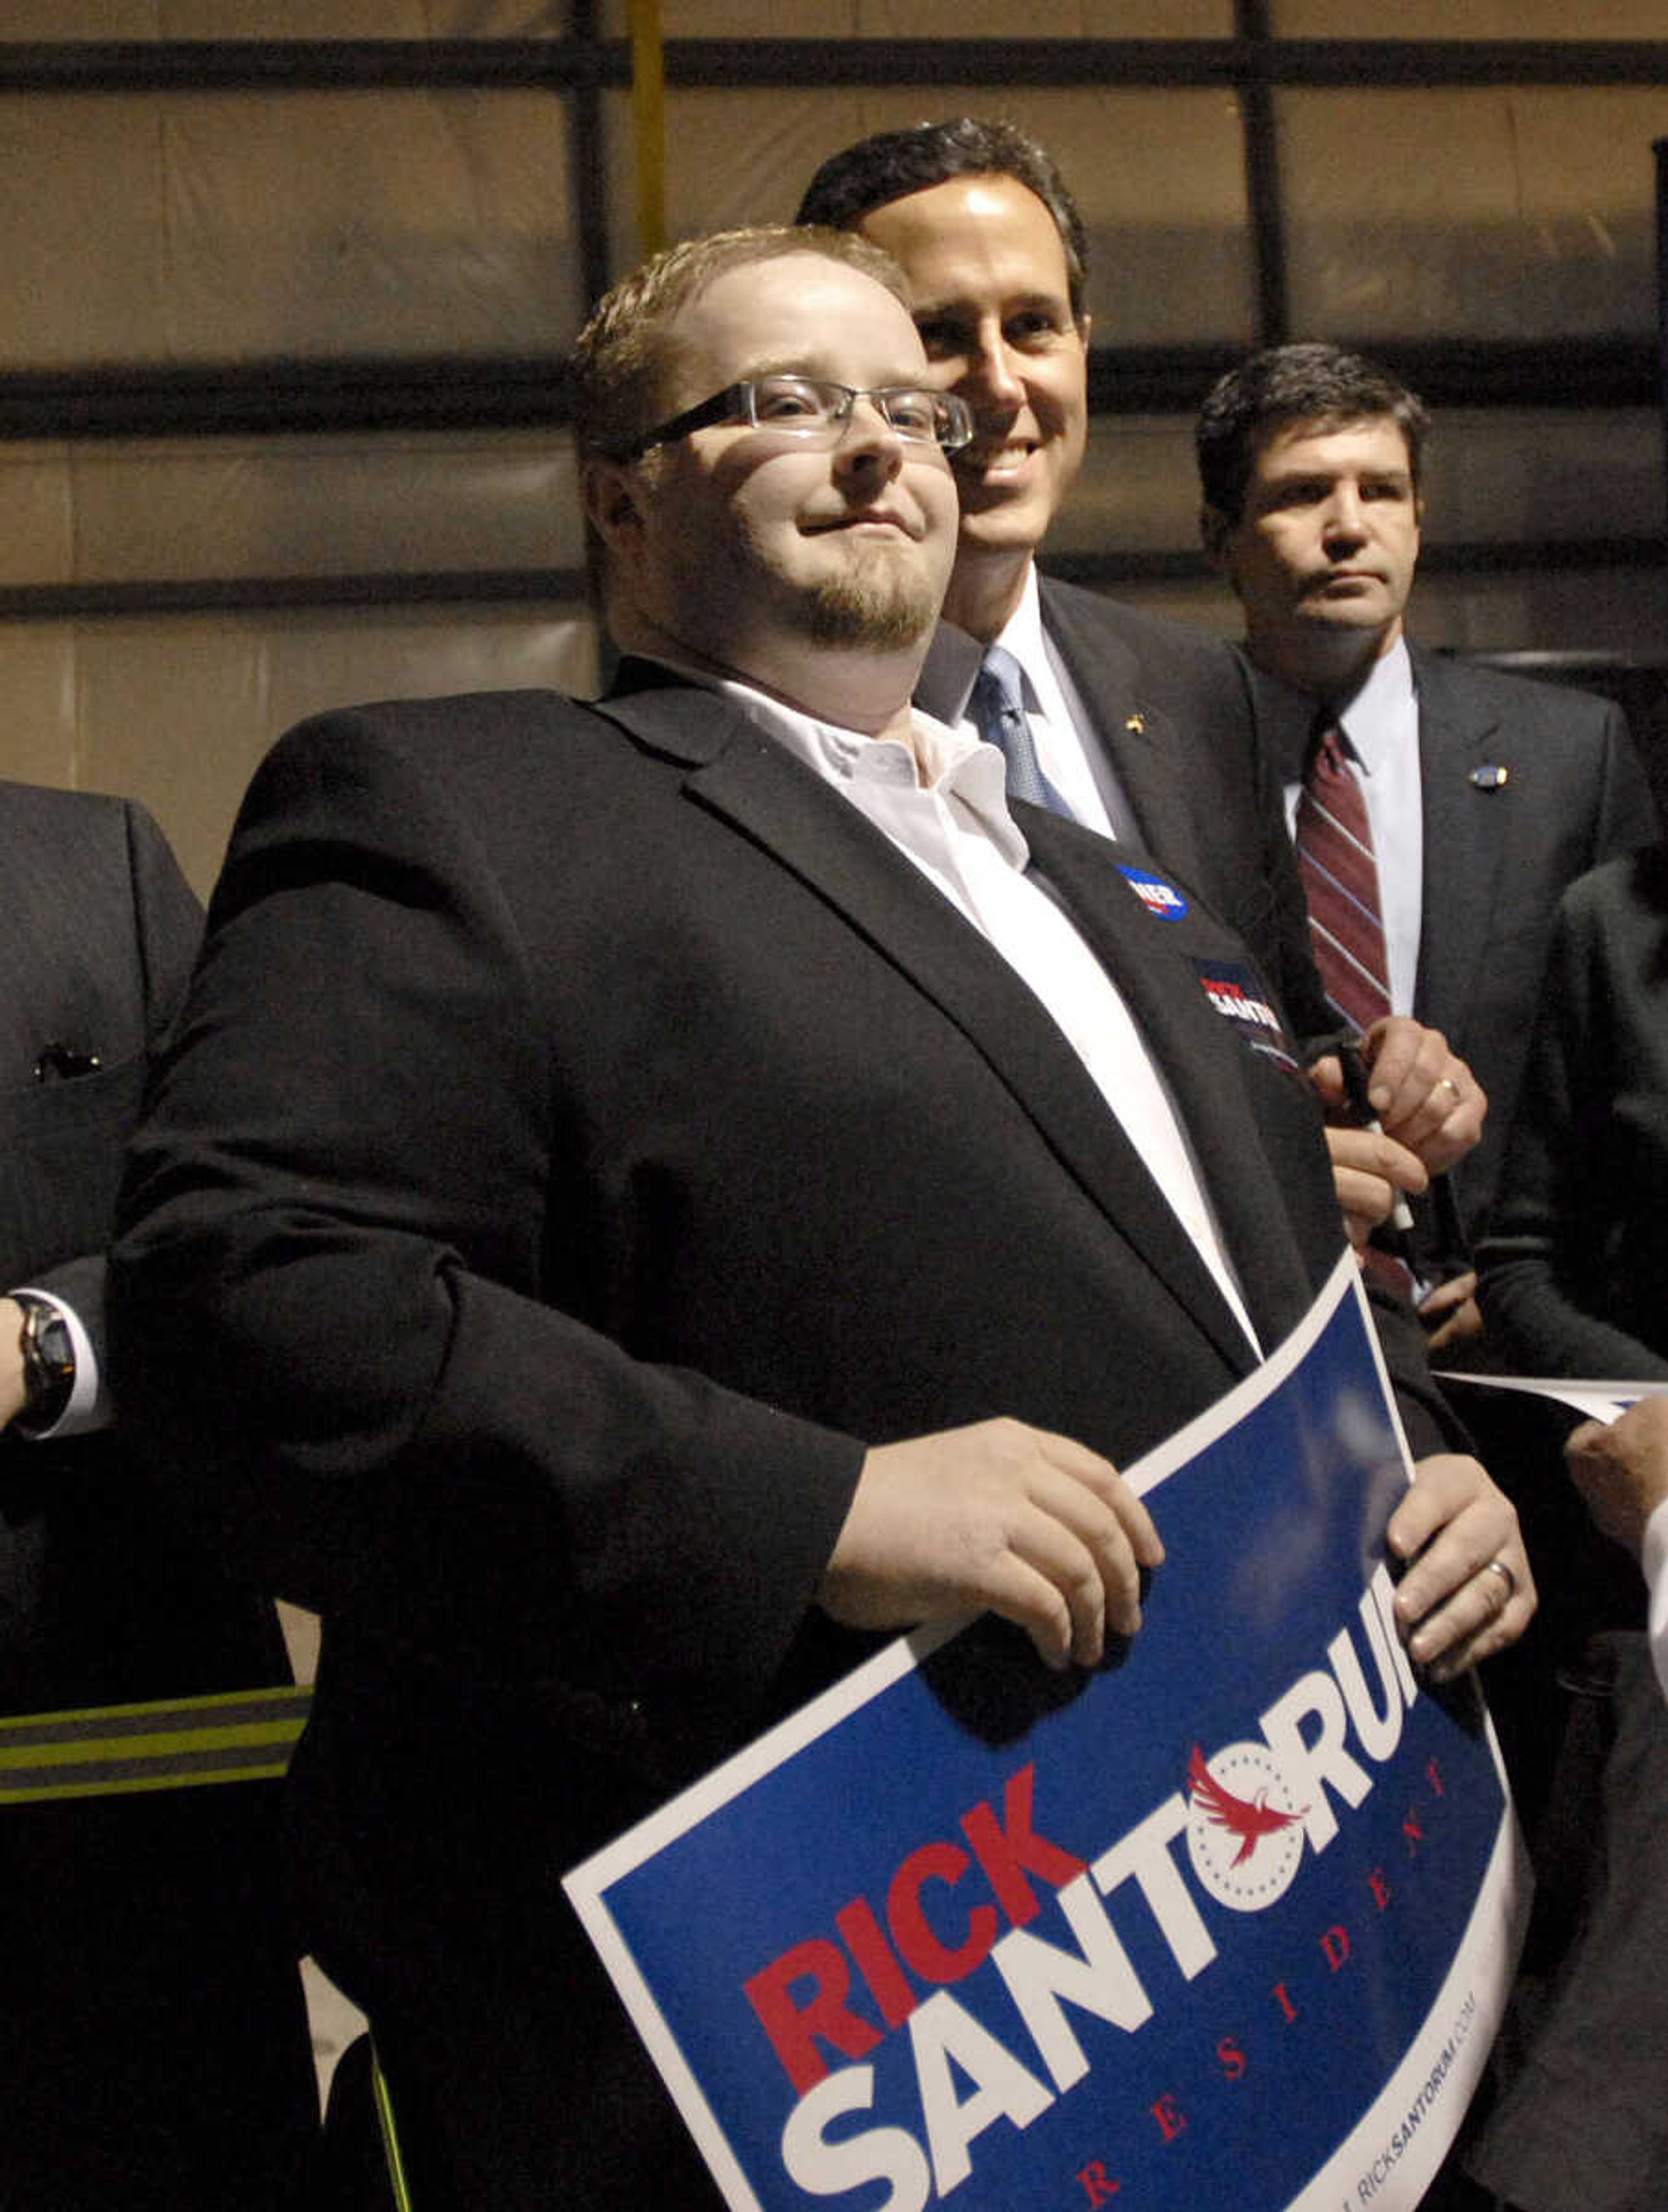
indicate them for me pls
(998, 707)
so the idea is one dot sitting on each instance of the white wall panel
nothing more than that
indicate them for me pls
(185, 228)
(210, 509)
(1600, 610)
(1476, 18)
(1159, 177)
(1138, 490)
(322, 507)
(369, 223)
(82, 230)
(178, 712)
(81, 19)
(1512, 213)
(932, 19)
(38, 702)
(1499, 474)
(1047, 19)
(292, 19)
(36, 515)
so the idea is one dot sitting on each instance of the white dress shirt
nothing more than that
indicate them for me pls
(952, 822)
(1380, 726)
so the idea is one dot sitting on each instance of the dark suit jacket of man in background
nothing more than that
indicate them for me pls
(153, 2042)
(587, 1135)
(1172, 721)
(1499, 854)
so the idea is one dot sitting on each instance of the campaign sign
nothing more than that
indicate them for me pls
(1227, 1922)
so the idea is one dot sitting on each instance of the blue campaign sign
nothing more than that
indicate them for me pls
(1229, 1922)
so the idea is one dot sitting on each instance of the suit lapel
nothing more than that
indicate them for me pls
(1285, 721)
(1204, 1064)
(1138, 738)
(739, 773)
(948, 674)
(1464, 832)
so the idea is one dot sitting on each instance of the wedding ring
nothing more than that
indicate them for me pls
(1498, 1567)
(1446, 1083)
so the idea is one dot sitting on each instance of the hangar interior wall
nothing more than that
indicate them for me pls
(284, 304)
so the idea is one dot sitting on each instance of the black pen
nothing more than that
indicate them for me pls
(1360, 1105)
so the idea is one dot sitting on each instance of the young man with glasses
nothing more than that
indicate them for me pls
(648, 1195)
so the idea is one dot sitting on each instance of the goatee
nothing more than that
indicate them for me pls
(883, 613)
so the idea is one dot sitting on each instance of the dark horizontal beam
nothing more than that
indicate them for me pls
(565, 63)
(276, 397)
(1598, 372)
(241, 595)
(568, 586)
(1485, 557)
(1380, 64)
(1529, 556)
(310, 65)
(1355, 63)
(1587, 372)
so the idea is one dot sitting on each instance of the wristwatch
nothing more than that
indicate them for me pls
(49, 1364)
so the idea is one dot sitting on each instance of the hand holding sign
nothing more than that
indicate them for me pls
(1001, 1517)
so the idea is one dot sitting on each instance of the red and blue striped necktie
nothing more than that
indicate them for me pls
(1340, 875)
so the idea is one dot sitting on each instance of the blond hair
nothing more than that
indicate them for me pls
(620, 358)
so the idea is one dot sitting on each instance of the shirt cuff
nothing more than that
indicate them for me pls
(1653, 1557)
(90, 1405)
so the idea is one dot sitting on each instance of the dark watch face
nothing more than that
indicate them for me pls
(49, 1364)
(55, 1344)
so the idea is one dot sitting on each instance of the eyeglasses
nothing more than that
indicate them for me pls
(807, 407)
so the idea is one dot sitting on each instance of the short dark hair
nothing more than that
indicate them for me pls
(895, 163)
(1288, 384)
(620, 358)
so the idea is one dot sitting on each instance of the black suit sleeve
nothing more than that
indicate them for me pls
(168, 920)
(331, 1304)
(1575, 1279)
(1428, 1420)
(164, 929)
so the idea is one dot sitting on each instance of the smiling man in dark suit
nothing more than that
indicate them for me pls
(1486, 796)
(1142, 728)
(646, 1194)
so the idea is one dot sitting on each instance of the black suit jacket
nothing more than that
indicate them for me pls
(1498, 855)
(101, 932)
(587, 1134)
(153, 2042)
(1173, 719)
(1575, 1268)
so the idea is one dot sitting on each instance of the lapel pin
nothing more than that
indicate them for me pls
(1135, 725)
(1491, 776)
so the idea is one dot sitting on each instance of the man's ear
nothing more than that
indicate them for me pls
(613, 495)
(1216, 528)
